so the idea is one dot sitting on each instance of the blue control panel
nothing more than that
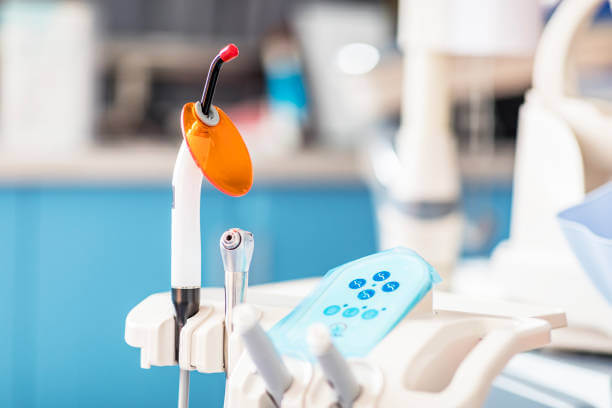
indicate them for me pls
(360, 302)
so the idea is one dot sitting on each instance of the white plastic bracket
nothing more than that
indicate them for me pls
(150, 326)
(447, 357)
(185, 343)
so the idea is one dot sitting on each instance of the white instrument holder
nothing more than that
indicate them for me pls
(445, 352)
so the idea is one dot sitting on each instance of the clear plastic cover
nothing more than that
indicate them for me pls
(360, 302)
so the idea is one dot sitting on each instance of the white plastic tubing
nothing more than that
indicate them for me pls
(186, 257)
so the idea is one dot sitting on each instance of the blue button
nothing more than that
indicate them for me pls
(369, 314)
(366, 294)
(381, 276)
(357, 283)
(337, 329)
(390, 286)
(350, 312)
(331, 310)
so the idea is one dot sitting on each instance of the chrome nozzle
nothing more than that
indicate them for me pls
(236, 250)
(231, 239)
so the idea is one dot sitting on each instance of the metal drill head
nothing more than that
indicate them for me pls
(231, 239)
(236, 250)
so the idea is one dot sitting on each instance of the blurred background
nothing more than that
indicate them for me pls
(90, 96)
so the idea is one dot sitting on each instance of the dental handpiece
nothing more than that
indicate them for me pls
(334, 365)
(268, 362)
(236, 247)
(185, 264)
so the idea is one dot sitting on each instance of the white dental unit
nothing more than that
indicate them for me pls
(369, 333)
(444, 352)
(415, 175)
(563, 152)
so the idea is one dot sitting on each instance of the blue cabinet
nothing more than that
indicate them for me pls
(90, 254)
(8, 266)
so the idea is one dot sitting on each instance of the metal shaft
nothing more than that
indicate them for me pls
(236, 247)
(183, 394)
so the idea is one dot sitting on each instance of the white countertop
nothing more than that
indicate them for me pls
(153, 164)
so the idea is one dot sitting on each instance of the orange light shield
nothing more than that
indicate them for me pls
(219, 151)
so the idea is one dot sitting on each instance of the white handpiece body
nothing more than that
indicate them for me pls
(186, 257)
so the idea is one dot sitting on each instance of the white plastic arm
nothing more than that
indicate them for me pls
(551, 60)
(186, 257)
(480, 367)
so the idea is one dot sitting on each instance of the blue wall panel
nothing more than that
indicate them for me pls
(100, 252)
(486, 207)
(298, 233)
(8, 237)
(91, 254)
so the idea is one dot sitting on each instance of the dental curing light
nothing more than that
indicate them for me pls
(213, 147)
(236, 248)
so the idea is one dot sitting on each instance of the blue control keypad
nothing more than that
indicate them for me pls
(357, 283)
(350, 312)
(390, 286)
(366, 294)
(369, 314)
(331, 310)
(381, 276)
(360, 302)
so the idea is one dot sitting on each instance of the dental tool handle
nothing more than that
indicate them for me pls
(185, 264)
(268, 362)
(235, 291)
(186, 304)
(185, 260)
(334, 365)
(236, 248)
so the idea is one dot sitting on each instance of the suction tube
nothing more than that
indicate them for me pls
(267, 360)
(334, 365)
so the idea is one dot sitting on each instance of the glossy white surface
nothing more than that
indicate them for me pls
(186, 259)
(448, 358)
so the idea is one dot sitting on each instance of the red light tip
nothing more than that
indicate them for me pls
(229, 52)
